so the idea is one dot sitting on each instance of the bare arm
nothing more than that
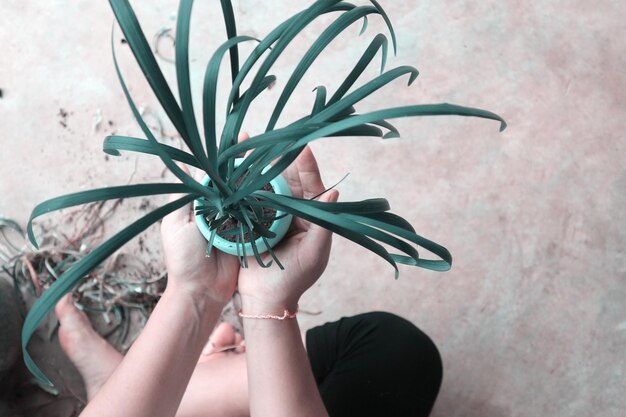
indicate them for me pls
(153, 376)
(280, 379)
(279, 375)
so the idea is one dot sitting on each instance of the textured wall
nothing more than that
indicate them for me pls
(531, 320)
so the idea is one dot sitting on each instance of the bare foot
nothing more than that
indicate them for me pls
(93, 356)
(223, 339)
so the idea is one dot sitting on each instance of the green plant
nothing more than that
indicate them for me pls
(236, 192)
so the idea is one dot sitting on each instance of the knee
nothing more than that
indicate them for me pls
(409, 341)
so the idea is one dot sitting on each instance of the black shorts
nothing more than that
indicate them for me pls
(374, 364)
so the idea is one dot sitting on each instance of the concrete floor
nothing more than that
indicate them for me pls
(531, 321)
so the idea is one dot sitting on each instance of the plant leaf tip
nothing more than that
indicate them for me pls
(112, 152)
(391, 135)
(503, 125)
(364, 27)
(31, 235)
(33, 368)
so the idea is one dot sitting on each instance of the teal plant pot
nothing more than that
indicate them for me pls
(279, 227)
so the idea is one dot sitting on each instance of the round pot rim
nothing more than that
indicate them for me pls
(277, 226)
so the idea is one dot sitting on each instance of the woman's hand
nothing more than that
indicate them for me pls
(187, 265)
(303, 252)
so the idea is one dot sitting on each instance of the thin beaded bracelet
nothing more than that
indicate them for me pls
(286, 315)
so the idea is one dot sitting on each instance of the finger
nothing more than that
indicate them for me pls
(199, 175)
(242, 137)
(208, 349)
(242, 347)
(223, 335)
(309, 173)
(318, 239)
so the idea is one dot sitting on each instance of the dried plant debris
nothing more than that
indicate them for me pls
(118, 296)
(63, 114)
(97, 121)
(164, 33)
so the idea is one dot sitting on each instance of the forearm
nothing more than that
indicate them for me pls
(152, 378)
(280, 379)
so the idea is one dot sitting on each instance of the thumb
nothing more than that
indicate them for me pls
(317, 238)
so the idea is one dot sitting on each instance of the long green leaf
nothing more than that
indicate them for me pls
(320, 100)
(143, 54)
(379, 41)
(183, 23)
(335, 28)
(274, 146)
(363, 130)
(392, 219)
(392, 32)
(371, 205)
(272, 253)
(231, 32)
(257, 255)
(72, 276)
(255, 250)
(315, 208)
(266, 44)
(252, 59)
(364, 91)
(405, 111)
(270, 145)
(100, 194)
(328, 221)
(436, 265)
(210, 94)
(300, 21)
(393, 132)
(114, 144)
(167, 160)
(244, 256)
(184, 87)
(259, 141)
(265, 84)
(231, 121)
(235, 119)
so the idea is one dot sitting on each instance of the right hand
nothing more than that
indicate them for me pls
(304, 251)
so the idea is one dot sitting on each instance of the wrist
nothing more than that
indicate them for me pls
(217, 290)
(203, 301)
(251, 305)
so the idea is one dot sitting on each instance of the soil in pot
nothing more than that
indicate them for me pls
(233, 223)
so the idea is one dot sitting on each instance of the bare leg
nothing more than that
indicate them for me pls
(218, 386)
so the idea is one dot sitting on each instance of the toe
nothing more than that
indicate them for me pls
(69, 315)
(64, 306)
(223, 335)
